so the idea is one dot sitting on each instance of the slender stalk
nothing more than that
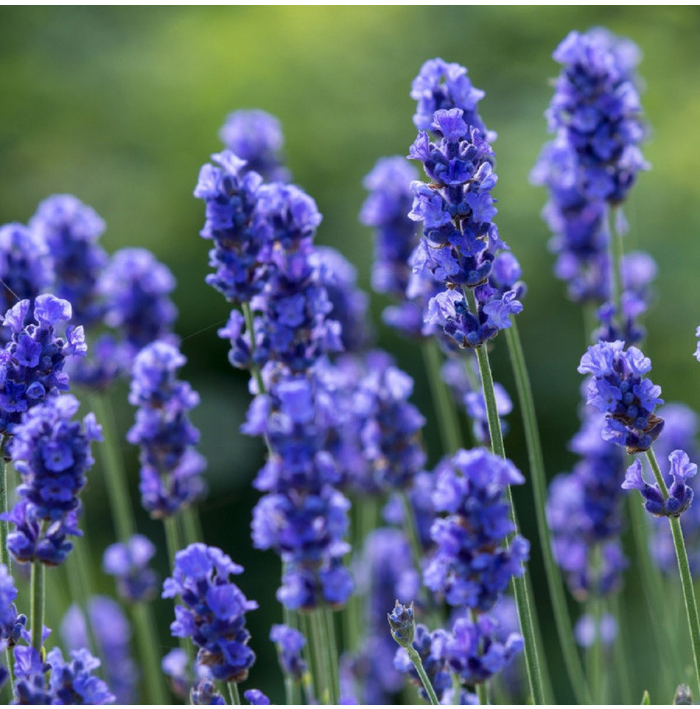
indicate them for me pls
(555, 582)
(620, 654)
(443, 402)
(233, 693)
(411, 529)
(112, 463)
(250, 326)
(114, 471)
(418, 664)
(323, 679)
(329, 623)
(191, 526)
(149, 650)
(4, 553)
(520, 587)
(38, 579)
(654, 593)
(691, 607)
(596, 651)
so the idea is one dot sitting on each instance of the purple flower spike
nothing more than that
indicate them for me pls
(290, 643)
(619, 389)
(255, 696)
(170, 465)
(213, 611)
(472, 565)
(680, 494)
(52, 453)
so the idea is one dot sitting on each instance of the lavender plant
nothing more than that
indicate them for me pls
(360, 525)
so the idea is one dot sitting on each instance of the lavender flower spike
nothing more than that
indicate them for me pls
(213, 611)
(619, 389)
(170, 465)
(32, 362)
(52, 454)
(129, 564)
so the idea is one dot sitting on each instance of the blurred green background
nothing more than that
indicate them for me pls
(121, 106)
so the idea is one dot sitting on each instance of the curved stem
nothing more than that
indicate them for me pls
(38, 579)
(418, 664)
(520, 586)
(691, 607)
(555, 582)
(443, 402)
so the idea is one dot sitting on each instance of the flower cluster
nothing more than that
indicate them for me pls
(584, 515)
(128, 562)
(472, 564)
(256, 137)
(170, 465)
(72, 682)
(474, 653)
(619, 389)
(594, 159)
(460, 240)
(25, 267)
(596, 108)
(32, 362)
(52, 454)
(302, 516)
(679, 495)
(70, 230)
(213, 611)
(440, 85)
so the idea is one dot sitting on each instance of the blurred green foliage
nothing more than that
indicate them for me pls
(121, 106)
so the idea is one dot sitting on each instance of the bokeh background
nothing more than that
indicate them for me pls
(121, 106)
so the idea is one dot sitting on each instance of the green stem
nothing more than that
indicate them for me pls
(249, 323)
(620, 655)
(149, 651)
(538, 477)
(233, 693)
(443, 402)
(4, 553)
(691, 607)
(654, 593)
(418, 664)
(319, 640)
(520, 587)
(112, 463)
(114, 471)
(38, 579)
(596, 651)
(329, 623)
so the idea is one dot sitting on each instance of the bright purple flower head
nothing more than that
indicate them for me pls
(52, 454)
(256, 697)
(473, 565)
(74, 682)
(170, 464)
(256, 137)
(213, 611)
(440, 85)
(473, 651)
(619, 389)
(12, 623)
(32, 362)
(71, 230)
